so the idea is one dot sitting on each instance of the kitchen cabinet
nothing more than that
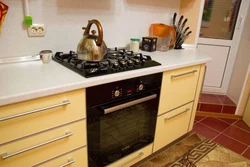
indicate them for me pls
(38, 130)
(178, 104)
(44, 113)
(172, 125)
(178, 88)
(43, 146)
(75, 158)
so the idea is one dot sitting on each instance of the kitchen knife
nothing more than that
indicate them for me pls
(183, 25)
(174, 19)
(183, 38)
(179, 23)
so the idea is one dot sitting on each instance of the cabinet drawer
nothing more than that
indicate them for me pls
(44, 116)
(134, 157)
(43, 146)
(76, 158)
(172, 125)
(178, 88)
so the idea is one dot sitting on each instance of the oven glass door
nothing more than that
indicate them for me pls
(118, 129)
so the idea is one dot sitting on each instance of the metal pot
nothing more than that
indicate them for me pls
(92, 47)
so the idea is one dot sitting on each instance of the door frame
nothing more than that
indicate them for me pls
(233, 44)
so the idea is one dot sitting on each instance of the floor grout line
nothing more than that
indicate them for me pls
(225, 121)
(222, 131)
(210, 127)
(236, 140)
(245, 150)
(201, 119)
(242, 129)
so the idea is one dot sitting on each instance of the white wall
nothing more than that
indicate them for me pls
(241, 63)
(121, 20)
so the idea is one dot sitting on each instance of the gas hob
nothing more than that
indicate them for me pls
(117, 60)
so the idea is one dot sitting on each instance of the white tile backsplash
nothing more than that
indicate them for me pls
(121, 20)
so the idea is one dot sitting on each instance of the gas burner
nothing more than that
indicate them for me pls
(117, 60)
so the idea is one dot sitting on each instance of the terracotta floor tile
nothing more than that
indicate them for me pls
(242, 124)
(229, 109)
(238, 134)
(247, 153)
(205, 131)
(225, 100)
(231, 144)
(198, 118)
(231, 121)
(211, 108)
(215, 123)
(209, 98)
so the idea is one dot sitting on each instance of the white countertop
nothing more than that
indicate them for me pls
(29, 80)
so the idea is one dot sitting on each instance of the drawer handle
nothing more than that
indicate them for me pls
(6, 155)
(70, 161)
(168, 118)
(138, 156)
(35, 111)
(179, 75)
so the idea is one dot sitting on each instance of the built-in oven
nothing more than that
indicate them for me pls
(121, 118)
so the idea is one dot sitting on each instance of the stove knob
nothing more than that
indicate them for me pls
(117, 93)
(140, 87)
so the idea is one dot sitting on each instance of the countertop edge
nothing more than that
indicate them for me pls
(80, 85)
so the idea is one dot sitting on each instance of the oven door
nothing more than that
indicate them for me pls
(118, 129)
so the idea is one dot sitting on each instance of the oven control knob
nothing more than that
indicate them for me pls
(117, 93)
(140, 87)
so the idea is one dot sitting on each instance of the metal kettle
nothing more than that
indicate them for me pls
(92, 47)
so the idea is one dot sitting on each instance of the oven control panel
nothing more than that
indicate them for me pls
(122, 89)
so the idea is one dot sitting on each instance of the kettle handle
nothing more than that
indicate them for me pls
(173, 35)
(100, 31)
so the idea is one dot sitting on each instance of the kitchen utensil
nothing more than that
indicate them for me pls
(92, 47)
(45, 56)
(181, 41)
(179, 23)
(174, 19)
(166, 36)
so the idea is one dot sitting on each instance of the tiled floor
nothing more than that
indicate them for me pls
(216, 103)
(231, 133)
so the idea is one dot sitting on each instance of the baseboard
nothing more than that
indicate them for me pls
(219, 115)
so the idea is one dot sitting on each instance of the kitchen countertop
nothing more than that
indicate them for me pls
(30, 80)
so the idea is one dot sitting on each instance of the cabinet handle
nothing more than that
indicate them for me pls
(138, 156)
(179, 75)
(6, 155)
(168, 118)
(70, 161)
(35, 111)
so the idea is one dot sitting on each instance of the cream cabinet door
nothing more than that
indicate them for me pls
(172, 125)
(178, 88)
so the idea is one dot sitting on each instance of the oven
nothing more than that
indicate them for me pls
(121, 118)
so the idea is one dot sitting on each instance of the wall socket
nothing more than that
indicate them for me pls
(36, 30)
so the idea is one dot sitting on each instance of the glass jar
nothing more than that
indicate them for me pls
(134, 45)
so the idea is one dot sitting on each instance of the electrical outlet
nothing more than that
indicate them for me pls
(36, 30)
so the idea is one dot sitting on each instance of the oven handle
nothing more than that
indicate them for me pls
(129, 104)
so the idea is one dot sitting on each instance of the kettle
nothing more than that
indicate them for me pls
(92, 47)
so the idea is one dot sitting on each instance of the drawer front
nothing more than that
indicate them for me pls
(43, 146)
(134, 157)
(172, 125)
(44, 119)
(76, 158)
(178, 88)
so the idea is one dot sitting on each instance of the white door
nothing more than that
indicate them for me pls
(220, 33)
